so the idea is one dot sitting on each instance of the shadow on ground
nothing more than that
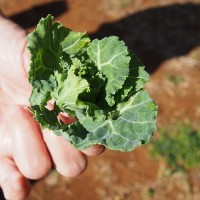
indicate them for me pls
(158, 34)
(31, 17)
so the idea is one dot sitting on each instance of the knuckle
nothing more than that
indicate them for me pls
(72, 169)
(36, 170)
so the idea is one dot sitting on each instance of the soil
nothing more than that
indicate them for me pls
(166, 36)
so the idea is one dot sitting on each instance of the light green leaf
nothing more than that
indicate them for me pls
(100, 83)
(48, 45)
(45, 48)
(111, 57)
(68, 90)
(74, 42)
(41, 92)
(134, 125)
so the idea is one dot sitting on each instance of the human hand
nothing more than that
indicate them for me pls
(26, 152)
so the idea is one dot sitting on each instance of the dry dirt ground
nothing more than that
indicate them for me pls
(165, 34)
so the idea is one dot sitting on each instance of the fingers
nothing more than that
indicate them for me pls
(29, 150)
(68, 161)
(32, 157)
(14, 185)
(94, 150)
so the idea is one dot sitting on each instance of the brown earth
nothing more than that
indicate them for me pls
(166, 36)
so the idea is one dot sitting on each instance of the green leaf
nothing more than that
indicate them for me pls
(133, 126)
(136, 79)
(111, 57)
(100, 83)
(67, 91)
(74, 42)
(41, 92)
(48, 45)
(44, 45)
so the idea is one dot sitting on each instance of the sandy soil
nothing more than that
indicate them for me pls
(166, 36)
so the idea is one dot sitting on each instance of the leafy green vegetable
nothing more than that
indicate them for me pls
(99, 82)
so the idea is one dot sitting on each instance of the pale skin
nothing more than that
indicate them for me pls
(26, 152)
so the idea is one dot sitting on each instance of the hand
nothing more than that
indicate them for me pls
(26, 152)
